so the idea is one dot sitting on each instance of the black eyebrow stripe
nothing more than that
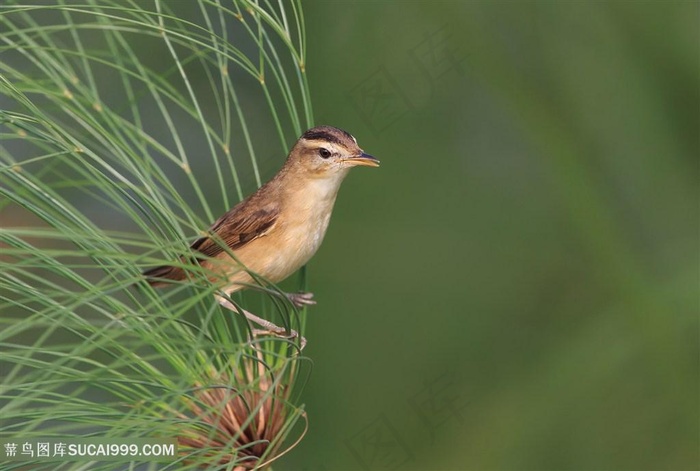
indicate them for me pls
(321, 136)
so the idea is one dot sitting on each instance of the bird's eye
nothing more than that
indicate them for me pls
(325, 153)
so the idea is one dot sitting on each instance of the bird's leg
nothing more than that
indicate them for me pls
(250, 316)
(268, 327)
(293, 334)
(301, 299)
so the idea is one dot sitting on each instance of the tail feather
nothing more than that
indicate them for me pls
(159, 276)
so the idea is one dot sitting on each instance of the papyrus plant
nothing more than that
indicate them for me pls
(125, 127)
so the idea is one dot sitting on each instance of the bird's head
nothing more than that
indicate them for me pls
(326, 151)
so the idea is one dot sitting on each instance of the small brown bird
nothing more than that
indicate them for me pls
(277, 229)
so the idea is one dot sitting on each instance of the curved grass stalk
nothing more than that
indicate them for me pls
(115, 119)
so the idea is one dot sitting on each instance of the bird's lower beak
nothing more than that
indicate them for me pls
(363, 159)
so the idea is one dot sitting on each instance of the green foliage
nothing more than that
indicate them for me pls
(85, 88)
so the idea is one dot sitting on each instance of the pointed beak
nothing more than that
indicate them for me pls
(363, 159)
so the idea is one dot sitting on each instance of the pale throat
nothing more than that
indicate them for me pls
(314, 200)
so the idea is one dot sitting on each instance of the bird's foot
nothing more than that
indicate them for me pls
(301, 299)
(282, 333)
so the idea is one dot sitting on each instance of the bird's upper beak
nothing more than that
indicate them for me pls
(363, 159)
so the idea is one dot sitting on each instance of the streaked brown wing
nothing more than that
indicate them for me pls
(237, 228)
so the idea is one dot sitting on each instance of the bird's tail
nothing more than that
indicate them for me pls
(159, 276)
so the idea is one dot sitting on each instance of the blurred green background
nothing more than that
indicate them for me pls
(516, 288)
